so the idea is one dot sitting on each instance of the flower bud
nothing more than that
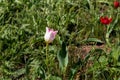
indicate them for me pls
(116, 4)
(49, 35)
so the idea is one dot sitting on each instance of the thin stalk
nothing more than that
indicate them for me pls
(109, 30)
(64, 74)
(107, 39)
(47, 59)
(46, 53)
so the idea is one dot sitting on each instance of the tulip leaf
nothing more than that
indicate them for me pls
(93, 40)
(55, 78)
(63, 57)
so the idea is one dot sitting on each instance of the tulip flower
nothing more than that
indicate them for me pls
(105, 20)
(49, 35)
(116, 4)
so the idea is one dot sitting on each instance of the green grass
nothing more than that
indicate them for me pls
(22, 45)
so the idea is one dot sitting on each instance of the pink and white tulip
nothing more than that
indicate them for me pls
(49, 35)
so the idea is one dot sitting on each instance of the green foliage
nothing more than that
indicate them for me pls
(105, 66)
(22, 46)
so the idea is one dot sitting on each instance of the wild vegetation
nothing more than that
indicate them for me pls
(71, 50)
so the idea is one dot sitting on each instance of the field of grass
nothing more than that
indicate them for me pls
(86, 46)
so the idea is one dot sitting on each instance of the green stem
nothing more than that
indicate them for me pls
(64, 74)
(107, 39)
(47, 59)
(46, 53)
(109, 30)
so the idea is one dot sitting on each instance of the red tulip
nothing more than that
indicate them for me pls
(116, 4)
(105, 20)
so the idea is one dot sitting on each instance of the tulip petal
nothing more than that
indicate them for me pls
(55, 32)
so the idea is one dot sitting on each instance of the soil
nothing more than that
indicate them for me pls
(76, 53)
(85, 49)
